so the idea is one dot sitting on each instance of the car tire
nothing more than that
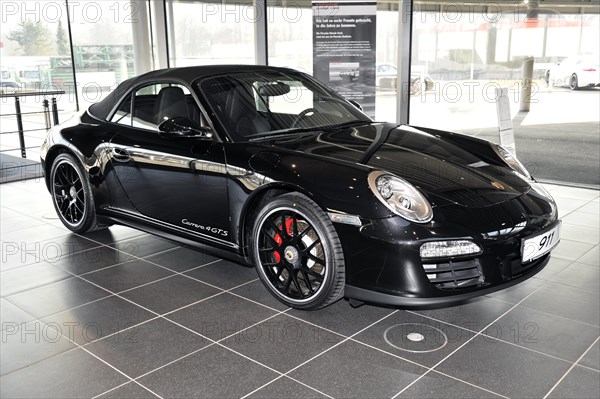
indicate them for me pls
(297, 252)
(573, 82)
(72, 195)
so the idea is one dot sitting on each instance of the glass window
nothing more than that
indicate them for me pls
(154, 104)
(210, 32)
(460, 59)
(265, 103)
(122, 115)
(102, 46)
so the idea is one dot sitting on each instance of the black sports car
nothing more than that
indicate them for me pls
(270, 167)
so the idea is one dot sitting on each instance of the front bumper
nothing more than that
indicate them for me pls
(384, 266)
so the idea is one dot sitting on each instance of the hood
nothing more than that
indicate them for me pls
(440, 168)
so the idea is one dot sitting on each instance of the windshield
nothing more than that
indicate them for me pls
(266, 103)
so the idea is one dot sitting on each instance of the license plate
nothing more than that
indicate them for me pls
(539, 245)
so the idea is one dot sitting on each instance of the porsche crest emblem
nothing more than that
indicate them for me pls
(497, 185)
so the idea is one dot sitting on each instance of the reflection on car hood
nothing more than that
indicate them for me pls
(441, 169)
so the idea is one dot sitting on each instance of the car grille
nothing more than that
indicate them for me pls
(453, 275)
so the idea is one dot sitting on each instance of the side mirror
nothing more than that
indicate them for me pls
(356, 104)
(181, 127)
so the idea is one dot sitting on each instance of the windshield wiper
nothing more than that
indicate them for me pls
(278, 133)
(355, 122)
(302, 130)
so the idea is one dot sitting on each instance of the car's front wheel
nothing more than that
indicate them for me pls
(72, 195)
(573, 83)
(297, 252)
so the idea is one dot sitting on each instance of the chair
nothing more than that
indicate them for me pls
(171, 102)
(241, 108)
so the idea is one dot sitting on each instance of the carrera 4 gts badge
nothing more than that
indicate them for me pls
(208, 229)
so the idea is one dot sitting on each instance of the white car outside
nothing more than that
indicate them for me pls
(576, 72)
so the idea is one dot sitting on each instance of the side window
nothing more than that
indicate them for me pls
(123, 114)
(156, 103)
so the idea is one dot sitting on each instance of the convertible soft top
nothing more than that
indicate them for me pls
(188, 75)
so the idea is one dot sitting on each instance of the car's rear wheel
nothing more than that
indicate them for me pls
(72, 195)
(297, 252)
(573, 82)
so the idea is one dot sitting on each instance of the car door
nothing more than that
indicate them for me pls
(178, 181)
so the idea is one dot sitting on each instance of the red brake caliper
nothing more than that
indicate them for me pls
(277, 237)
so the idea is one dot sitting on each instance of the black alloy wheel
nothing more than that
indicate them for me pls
(297, 253)
(71, 194)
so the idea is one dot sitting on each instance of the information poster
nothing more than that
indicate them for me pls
(344, 36)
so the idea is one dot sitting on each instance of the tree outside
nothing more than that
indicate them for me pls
(33, 38)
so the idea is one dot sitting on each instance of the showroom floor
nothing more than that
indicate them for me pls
(120, 313)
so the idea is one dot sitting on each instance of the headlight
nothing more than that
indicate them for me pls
(511, 160)
(400, 197)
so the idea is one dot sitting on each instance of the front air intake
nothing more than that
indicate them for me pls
(454, 274)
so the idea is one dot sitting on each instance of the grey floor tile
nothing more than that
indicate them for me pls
(57, 297)
(580, 275)
(28, 344)
(518, 292)
(566, 301)
(436, 341)
(592, 257)
(127, 275)
(567, 205)
(73, 374)
(544, 332)
(256, 291)
(221, 316)
(505, 369)
(224, 274)
(592, 358)
(473, 315)
(555, 266)
(13, 257)
(146, 347)
(32, 235)
(576, 193)
(115, 234)
(28, 277)
(571, 250)
(580, 383)
(592, 207)
(343, 318)
(282, 342)
(169, 294)
(586, 235)
(286, 388)
(61, 248)
(435, 385)
(97, 319)
(578, 218)
(181, 259)
(11, 316)
(209, 373)
(144, 245)
(131, 390)
(354, 370)
(92, 259)
(14, 221)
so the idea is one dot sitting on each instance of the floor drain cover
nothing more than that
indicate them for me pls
(414, 337)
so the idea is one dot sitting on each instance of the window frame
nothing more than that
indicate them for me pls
(137, 86)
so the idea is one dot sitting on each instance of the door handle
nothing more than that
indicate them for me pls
(120, 154)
